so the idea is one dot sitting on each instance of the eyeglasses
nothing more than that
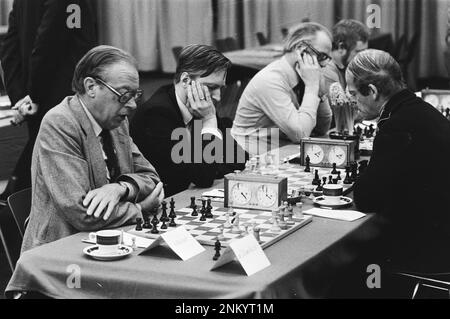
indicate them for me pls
(125, 97)
(321, 56)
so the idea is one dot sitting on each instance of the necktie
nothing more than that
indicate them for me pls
(111, 161)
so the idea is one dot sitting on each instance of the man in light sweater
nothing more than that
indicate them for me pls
(283, 102)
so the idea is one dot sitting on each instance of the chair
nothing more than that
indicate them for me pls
(176, 52)
(262, 40)
(20, 206)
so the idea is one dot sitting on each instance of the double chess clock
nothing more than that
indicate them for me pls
(324, 152)
(252, 191)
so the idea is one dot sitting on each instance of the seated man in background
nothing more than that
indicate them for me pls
(186, 109)
(406, 181)
(86, 172)
(349, 38)
(285, 94)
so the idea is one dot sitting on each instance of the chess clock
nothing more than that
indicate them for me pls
(324, 152)
(440, 99)
(252, 191)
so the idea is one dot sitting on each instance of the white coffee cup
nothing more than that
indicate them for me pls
(332, 193)
(108, 241)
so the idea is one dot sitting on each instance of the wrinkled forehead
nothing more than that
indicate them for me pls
(122, 75)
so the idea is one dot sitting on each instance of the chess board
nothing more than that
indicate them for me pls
(298, 178)
(206, 232)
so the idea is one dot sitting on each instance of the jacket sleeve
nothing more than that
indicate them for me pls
(60, 167)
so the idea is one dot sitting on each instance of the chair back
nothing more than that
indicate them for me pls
(20, 206)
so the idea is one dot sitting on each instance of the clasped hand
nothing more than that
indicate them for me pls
(200, 102)
(104, 200)
(25, 107)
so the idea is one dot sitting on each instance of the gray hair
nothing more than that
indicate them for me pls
(378, 68)
(94, 63)
(301, 32)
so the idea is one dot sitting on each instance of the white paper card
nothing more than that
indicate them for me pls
(248, 252)
(180, 241)
(347, 215)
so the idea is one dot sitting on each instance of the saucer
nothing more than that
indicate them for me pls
(344, 201)
(93, 252)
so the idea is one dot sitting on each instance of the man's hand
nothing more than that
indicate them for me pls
(107, 196)
(200, 102)
(25, 107)
(153, 200)
(308, 69)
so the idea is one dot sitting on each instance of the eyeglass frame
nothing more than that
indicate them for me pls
(321, 56)
(138, 92)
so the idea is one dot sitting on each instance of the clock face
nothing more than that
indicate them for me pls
(432, 99)
(337, 155)
(240, 194)
(445, 101)
(315, 153)
(266, 196)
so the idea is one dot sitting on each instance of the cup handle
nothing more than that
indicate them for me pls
(93, 237)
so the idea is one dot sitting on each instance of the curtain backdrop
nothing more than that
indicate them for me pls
(149, 29)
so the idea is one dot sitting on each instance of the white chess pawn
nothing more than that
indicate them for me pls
(133, 243)
(227, 223)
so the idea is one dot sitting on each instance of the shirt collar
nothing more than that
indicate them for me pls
(292, 77)
(97, 128)
(187, 116)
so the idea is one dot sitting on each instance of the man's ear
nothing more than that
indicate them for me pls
(89, 86)
(374, 91)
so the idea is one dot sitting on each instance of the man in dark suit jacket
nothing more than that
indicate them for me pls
(406, 181)
(45, 40)
(177, 128)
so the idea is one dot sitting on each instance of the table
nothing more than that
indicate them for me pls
(257, 57)
(302, 265)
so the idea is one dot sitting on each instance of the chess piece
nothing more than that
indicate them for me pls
(192, 202)
(256, 233)
(133, 243)
(330, 179)
(147, 224)
(235, 225)
(334, 170)
(316, 178)
(194, 211)
(138, 224)
(209, 209)
(339, 176)
(163, 226)
(155, 223)
(319, 187)
(203, 213)
(275, 226)
(307, 163)
(217, 247)
(172, 214)
(164, 217)
(324, 180)
(347, 179)
(299, 210)
(290, 212)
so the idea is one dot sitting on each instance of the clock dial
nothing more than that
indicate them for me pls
(432, 99)
(337, 155)
(240, 194)
(266, 196)
(445, 101)
(315, 153)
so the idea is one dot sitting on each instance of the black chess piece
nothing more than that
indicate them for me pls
(164, 226)
(192, 202)
(324, 180)
(354, 171)
(172, 214)
(164, 217)
(362, 167)
(217, 247)
(194, 211)
(203, 213)
(154, 223)
(138, 223)
(347, 179)
(172, 203)
(334, 170)
(316, 178)
(339, 175)
(330, 179)
(319, 187)
(307, 163)
(203, 203)
(209, 209)
(147, 224)
(172, 221)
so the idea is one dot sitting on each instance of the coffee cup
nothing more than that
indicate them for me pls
(332, 193)
(108, 241)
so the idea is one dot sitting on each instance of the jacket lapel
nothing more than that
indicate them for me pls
(92, 146)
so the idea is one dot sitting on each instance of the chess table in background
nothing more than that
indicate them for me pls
(206, 232)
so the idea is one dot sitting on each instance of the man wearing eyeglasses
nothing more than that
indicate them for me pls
(87, 174)
(286, 94)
